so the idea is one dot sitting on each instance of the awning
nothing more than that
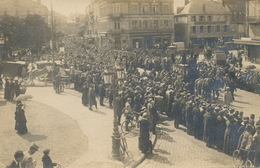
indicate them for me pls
(247, 42)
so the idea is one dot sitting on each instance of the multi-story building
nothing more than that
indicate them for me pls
(238, 15)
(22, 8)
(252, 43)
(203, 22)
(130, 23)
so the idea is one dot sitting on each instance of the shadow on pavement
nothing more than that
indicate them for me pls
(237, 101)
(160, 159)
(165, 136)
(167, 129)
(99, 112)
(162, 151)
(32, 138)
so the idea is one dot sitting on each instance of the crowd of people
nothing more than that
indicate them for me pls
(155, 84)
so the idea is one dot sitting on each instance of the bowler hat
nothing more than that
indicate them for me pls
(46, 151)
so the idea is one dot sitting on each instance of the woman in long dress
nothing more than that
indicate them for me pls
(20, 120)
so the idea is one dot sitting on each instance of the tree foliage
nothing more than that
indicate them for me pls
(33, 33)
(30, 32)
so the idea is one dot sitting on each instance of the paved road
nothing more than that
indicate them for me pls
(177, 149)
(96, 125)
(48, 128)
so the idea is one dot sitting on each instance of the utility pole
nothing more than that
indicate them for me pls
(52, 42)
(247, 19)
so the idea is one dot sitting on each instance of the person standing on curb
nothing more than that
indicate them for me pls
(18, 157)
(92, 97)
(102, 94)
(46, 159)
(28, 161)
(20, 120)
(144, 144)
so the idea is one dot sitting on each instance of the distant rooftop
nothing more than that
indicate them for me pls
(204, 7)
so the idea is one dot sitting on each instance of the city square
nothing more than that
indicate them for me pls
(129, 83)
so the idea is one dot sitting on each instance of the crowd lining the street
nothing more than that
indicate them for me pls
(181, 88)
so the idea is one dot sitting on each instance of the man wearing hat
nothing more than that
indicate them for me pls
(28, 161)
(46, 159)
(18, 157)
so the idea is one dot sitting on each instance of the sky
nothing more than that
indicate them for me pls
(67, 7)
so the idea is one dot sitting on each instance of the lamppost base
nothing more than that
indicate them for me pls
(115, 147)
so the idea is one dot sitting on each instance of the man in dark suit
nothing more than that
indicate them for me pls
(18, 157)
(102, 94)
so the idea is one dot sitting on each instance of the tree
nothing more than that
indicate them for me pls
(9, 26)
(33, 33)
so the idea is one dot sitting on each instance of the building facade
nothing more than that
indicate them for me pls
(124, 24)
(22, 8)
(238, 15)
(252, 43)
(203, 22)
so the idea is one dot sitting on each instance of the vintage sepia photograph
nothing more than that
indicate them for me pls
(129, 83)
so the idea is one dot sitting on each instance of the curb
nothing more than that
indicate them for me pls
(143, 156)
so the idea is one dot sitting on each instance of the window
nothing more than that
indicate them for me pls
(134, 24)
(218, 29)
(134, 9)
(225, 28)
(166, 23)
(145, 8)
(165, 9)
(193, 18)
(155, 24)
(145, 24)
(201, 29)
(202, 18)
(194, 29)
(117, 25)
(209, 18)
(155, 9)
(117, 9)
(209, 29)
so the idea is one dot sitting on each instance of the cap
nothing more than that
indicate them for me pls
(34, 146)
(18, 154)
(46, 151)
(145, 115)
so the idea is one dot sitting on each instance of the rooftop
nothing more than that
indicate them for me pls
(204, 7)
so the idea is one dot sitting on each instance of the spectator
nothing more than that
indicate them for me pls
(28, 161)
(46, 159)
(18, 157)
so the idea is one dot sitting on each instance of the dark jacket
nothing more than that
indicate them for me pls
(13, 164)
(47, 162)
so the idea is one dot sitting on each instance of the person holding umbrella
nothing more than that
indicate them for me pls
(20, 119)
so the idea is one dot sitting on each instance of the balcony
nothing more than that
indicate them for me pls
(253, 19)
(116, 16)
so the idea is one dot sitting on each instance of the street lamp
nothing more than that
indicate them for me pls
(115, 135)
(120, 74)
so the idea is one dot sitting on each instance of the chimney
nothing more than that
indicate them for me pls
(39, 1)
